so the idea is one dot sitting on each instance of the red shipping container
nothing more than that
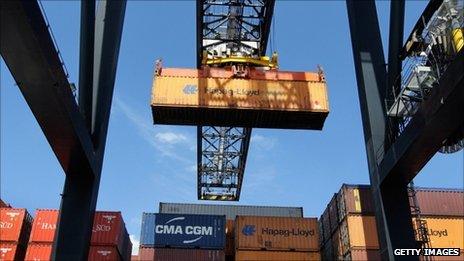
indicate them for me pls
(11, 251)
(173, 254)
(44, 227)
(39, 251)
(103, 253)
(440, 202)
(108, 229)
(146, 254)
(15, 225)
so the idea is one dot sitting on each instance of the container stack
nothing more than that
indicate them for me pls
(189, 237)
(276, 238)
(147, 238)
(443, 211)
(15, 228)
(110, 240)
(348, 224)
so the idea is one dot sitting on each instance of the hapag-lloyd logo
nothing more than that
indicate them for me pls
(199, 231)
(249, 230)
(47, 226)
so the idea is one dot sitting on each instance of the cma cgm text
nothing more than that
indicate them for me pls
(188, 230)
(288, 232)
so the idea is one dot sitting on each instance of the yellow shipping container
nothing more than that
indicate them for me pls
(276, 233)
(358, 231)
(186, 97)
(445, 232)
(243, 255)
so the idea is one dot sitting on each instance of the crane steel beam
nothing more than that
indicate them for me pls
(29, 52)
(390, 198)
(247, 22)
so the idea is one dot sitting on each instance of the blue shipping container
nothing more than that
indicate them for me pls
(147, 235)
(190, 231)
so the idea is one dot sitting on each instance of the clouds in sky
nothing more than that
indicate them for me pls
(263, 142)
(135, 244)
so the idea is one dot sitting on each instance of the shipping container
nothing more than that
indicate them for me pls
(187, 97)
(244, 255)
(337, 246)
(109, 230)
(321, 231)
(440, 202)
(172, 254)
(11, 251)
(15, 225)
(190, 231)
(327, 252)
(445, 232)
(333, 213)
(147, 234)
(230, 238)
(44, 226)
(354, 199)
(362, 254)
(39, 251)
(231, 211)
(276, 233)
(134, 258)
(358, 231)
(127, 250)
(146, 253)
(104, 253)
(324, 219)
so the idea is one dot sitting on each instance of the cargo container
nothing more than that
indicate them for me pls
(134, 258)
(15, 225)
(358, 231)
(39, 251)
(104, 253)
(11, 251)
(190, 231)
(327, 252)
(337, 247)
(440, 202)
(146, 253)
(276, 233)
(231, 211)
(109, 230)
(333, 213)
(325, 221)
(44, 226)
(147, 234)
(354, 199)
(172, 254)
(279, 99)
(445, 232)
(244, 255)
(362, 254)
(230, 238)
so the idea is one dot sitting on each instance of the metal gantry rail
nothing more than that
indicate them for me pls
(227, 28)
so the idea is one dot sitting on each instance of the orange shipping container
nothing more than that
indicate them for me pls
(11, 251)
(39, 251)
(44, 226)
(279, 99)
(15, 225)
(276, 233)
(103, 253)
(244, 255)
(445, 232)
(358, 231)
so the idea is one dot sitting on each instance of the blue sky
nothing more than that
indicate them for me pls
(146, 164)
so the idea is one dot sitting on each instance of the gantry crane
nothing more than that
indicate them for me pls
(229, 33)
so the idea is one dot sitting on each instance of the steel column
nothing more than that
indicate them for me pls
(395, 45)
(392, 222)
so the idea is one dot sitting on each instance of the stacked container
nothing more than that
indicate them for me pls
(276, 238)
(110, 240)
(189, 237)
(15, 227)
(147, 237)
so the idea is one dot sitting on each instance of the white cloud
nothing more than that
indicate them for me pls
(135, 244)
(263, 142)
(170, 137)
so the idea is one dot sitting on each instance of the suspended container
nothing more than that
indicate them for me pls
(264, 99)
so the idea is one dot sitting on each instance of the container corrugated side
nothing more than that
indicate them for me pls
(325, 220)
(327, 252)
(172, 254)
(146, 253)
(231, 211)
(108, 229)
(230, 238)
(104, 253)
(337, 245)
(39, 251)
(244, 255)
(147, 233)
(333, 213)
(11, 251)
(44, 226)
(15, 225)
(445, 232)
(190, 231)
(440, 202)
(276, 233)
(358, 231)
(354, 199)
